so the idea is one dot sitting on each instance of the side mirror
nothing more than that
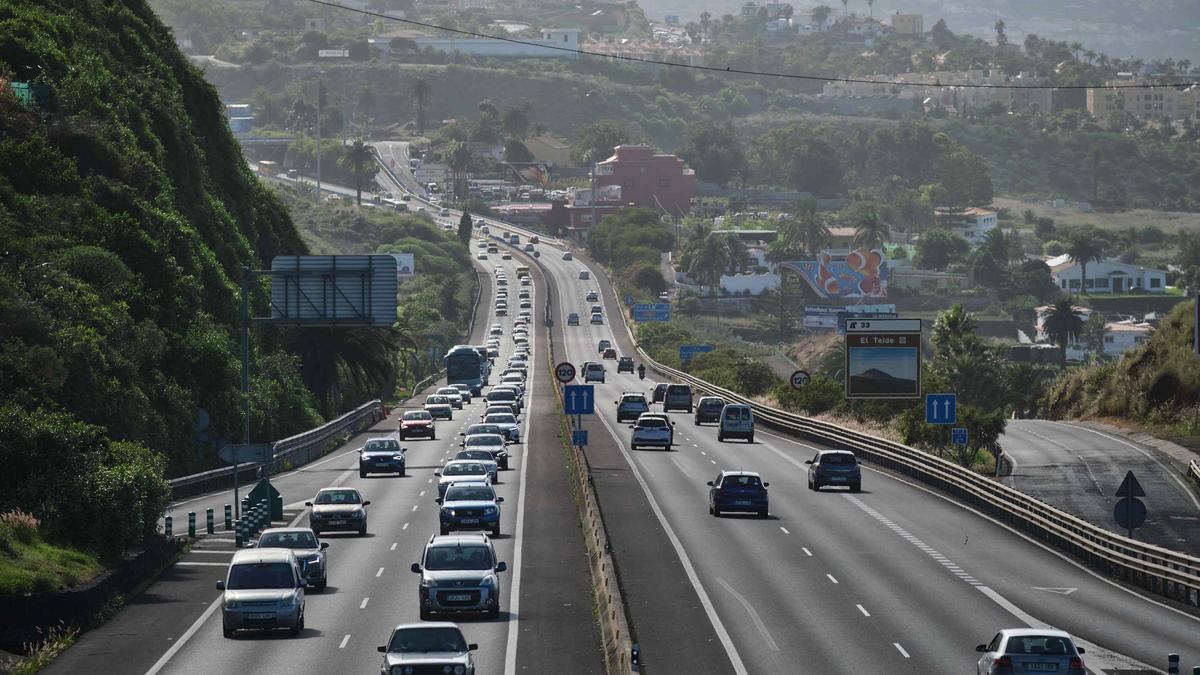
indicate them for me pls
(472, 647)
(416, 568)
(766, 485)
(808, 461)
(324, 545)
(437, 473)
(981, 648)
(308, 503)
(499, 500)
(367, 503)
(709, 483)
(438, 500)
(632, 426)
(501, 566)
(220, 585)
(381, 649)
(1081, 650)
(250, 544)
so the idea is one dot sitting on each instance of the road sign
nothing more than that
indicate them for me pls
(255, 452)
(800, 378)
(1130, 487)
(941, 408)
(1130, 513)
(629, 301)
(686, 351)
(579, 399)
(958, 435)
(565, 372)
(659, 311)
(579, 437)
(883, 358)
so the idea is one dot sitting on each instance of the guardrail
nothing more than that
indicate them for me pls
(1162, 571)
(1194, 472)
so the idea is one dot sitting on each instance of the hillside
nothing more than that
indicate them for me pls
(125, 216)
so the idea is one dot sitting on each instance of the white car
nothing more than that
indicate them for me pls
(452, 393)
(460, 470)
(593, 372)
(445, 212)
(652, 432)
(508, 425)
(1030, 650)
(484, 456)
(439, 407)
(493, 443)
(597, 318)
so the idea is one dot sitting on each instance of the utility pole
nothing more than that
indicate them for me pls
(237, 501)
(320, 99)
(594, 166)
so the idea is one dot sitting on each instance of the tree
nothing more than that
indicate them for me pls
(869, 230)
(939, 247)
(421, 91)
(820, 14)
(1025, 384)
(1093, 332)
(458, 158)
(643, 276)
(807, 230)
(1085, 245)
(1001, 36)
(464, 230)
(595, 142)
(779, 311)
(941, 34)
(516, 122)
(515, 151)
(707, 257)
(1062, 324)
(951, 328)
(713, 152)
(359, 155)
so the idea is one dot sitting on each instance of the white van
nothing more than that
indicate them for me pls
(737, 421)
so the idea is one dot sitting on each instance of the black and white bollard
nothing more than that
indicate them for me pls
(228, 517)
(208, 521)
(167, 527)
(191, 524)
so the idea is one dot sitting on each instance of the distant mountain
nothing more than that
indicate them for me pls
(875, 381)
(875, 374)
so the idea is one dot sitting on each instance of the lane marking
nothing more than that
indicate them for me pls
(379, 573)
(785, 531)
(188, 563)
(754, 617)
(901, 650)
(402, 528)
(344, 641)
(364, 603)
(806, 551)
(393, 547)
(863, 610)
(422, 494)
(830, 576)
(416, 506)
(183, 639)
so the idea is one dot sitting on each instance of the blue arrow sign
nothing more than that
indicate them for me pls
(958, 435)
(686, 351)
(579, 437)
(628, 300)
(579, 399)
(941, 408)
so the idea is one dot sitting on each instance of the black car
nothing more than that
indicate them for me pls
(625, 364)
(660, 392)
(834, 467)
(709, 409)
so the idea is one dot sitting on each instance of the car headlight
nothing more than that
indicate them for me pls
(233, 604)
(449, 512)
(428, 583)
(502, 453)
(398, 458)
(357, 513)
(288, 601)
(489, 511)
(489, 580)
(459, 670)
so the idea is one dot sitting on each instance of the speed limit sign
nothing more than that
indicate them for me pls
(800, 378)
(565, 372)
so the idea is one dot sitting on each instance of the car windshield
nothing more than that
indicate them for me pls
(448, 391)
(634, 398)
(651, 423)
(501, 395)
(416, 415)
(500, 418)
(712, 403)
(740, 481)
(287, 540)
(485, 440)
(841, 458)
(339, 497)
(444, 639)
(679, 389)
(1049, 645)
(436, 400)
(440, 558)
(470, 469)
(260, 575)
(474, 454)
(595, 367)
(476, 429)
(382, 445)
(470, 493)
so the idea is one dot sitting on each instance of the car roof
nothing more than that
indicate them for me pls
(427, 624)
(286, 530)
(337, 489)
(1021, 632)
(711, 398)
(456, 539)
(739, 472)
(262, 555)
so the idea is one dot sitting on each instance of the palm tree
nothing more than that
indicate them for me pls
(1084, 247)
(1000, 247)
(845, 8)
(871, 7)
(1062, 324)
(951, 327)
(359, 156)
(709, 258)
(335, 357)
(1025, 383)
(807, 229)
(870, 231)
(458, 158)
(421, 91)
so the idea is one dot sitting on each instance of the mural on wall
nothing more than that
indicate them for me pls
(858, 274)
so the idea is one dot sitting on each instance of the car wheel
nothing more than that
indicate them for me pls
(750, 438)
(433, 435)
(857, 487)
(496, 531)
(494, 612)
(320, 586)
(720, 437)
(362, 474)
(633, 446)
(402, 473)
(816, 486)
(716, 512)
(690, 410)
(226, 630)
(402, 436)
(697, 420)
(362, 531)
(295, 630)
(762, 513)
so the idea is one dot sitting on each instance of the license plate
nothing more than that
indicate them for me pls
(742, 502)
(469, 521)
(1042, 667)
(260, 615)
(837, 478)
(458, 597)
(337, 522)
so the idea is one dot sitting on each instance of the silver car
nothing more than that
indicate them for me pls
(427, 648)
(493, 467)
(1030, 650)
(263, 589)
(459, 470)
(309, 552)
(459, 573)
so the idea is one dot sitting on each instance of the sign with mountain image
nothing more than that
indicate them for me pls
(883, 358)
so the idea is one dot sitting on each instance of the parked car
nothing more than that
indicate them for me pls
(417, 423)
(678, 397)
(631, 405)
(737, 421)
(652, 432)
(459, 573)
(625, 364)
(262, 589)
(309, 551)
(470, 506)
(381, 455)
(427, 648)
(338, 509)
(1030, 650)
(708, 409)
(738, 491)
(834, 467)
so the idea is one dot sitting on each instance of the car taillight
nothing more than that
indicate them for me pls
(1003, 662)
(1075, 663)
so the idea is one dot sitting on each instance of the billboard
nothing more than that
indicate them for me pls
(883, 358)
(818, 316)
(861, 273)
(333, 290)
(405, 265)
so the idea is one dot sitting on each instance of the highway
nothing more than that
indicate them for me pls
(1078, 469)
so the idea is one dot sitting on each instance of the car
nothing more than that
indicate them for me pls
(514, 371)
(309, 552)
(262, 589)
(506, 256)
(381, 455)
(445, 212)
(429, 647)
(584, 275)
(509, 408)
(439, 407)
(834, 467)
(631, 405)
(625, 364)
(470, 506)
(508, 425)
(525, 304)
(482, 455)
(528, 248)
(602, 345)
(1030, 650)
(493, 249)
(597, 309)
(593, 371)
(597, 319)
(503, 396)
(524, 294)
(572, 319)
(459, 574)
(664, 296)
(517, 379)
(458, 470)
(482, 428)
(482, 255)
(666, 420)
(501, 311)
(496, 330)
(742, 491)
(610, 353)
(737, 421)
(335, 509)
(708, 409)
(592, 296)
(527, 281)
(502, 281)
(452, 393)
(650, 431)
(493, 443)
(465, 390)
(660, 391)
(417, 423)
(567, 255)
(678, 397)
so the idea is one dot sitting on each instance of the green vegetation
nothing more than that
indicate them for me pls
(31, 564)
(726, 366)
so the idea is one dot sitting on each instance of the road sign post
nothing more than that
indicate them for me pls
(941, 408)
(883, 358)
(799, 379)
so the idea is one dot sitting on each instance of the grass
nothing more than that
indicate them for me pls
(29, 564)
(1170, 222)
(39, 654)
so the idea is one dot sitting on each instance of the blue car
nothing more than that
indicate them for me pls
(381, 455)
(470, 506)
(738, 491)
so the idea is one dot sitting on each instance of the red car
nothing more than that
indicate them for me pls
(610, 353)
(417, 423)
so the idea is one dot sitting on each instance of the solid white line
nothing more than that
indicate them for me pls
(217, 551)
(183, 639)
(901, 650)
(379, 573)
(806, 551)
(863, 610)
(514, 591)
(831, 578)
(344, 641)
(393, 548)
(785, 531)
(754, 617)
(364, 603)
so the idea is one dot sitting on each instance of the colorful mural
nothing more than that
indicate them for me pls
(858, 274)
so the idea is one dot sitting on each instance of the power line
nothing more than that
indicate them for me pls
(741, 71)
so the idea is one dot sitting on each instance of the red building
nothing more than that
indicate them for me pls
(649, 180)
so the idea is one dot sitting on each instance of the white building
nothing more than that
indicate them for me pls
(554, 43)
(1106, 276)
(972, 224)
(1119, 336)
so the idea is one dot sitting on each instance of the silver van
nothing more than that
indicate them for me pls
(264, 588)
(737, 421)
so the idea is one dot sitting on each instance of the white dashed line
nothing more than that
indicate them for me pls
(405, 527)
(901, 650)
(704, 453)
(422, 494)
(785, 531)
(831, 578)
(429, 481)
(379, 573)
(806, 551)
(950, 565)
(344, 641)
(364, 603)
(393, 547)
(714, 462)
(863, 610)
(416, 506)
